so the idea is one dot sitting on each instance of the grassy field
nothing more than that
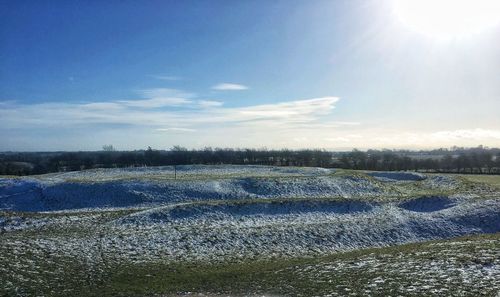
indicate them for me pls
(468, 266)
(491, 180)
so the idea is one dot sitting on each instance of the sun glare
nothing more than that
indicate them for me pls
(448, 19)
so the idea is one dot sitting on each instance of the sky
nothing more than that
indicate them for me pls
(339, 74)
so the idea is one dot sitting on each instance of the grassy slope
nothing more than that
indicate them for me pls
(393, 270)
(491, 180)
(336, 273)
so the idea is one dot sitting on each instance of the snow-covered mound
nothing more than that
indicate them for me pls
(211, 232)
(185, 172)
(42, 195)
(441, 182)
(397, 176)
(156, 186)
(229, 213)
(252, 208)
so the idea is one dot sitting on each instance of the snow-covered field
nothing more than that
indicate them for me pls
(184, 172)
(96, 221)
(451, 268)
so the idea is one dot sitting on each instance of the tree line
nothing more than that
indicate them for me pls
(479, 160)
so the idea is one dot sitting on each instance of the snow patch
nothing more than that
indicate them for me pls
(428, 204)
(258, 209)
(397, 176)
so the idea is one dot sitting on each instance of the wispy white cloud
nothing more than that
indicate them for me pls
(294, 110)
(97, 106)
(157, 112)
(160, 97)
(229, 87)
(294, 124)
(209, 103)
(165, 93)
(156, 102)
(167, 77)
(272, 125)
(175, 129)
(7, 102)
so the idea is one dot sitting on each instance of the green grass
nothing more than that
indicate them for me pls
(491, 180)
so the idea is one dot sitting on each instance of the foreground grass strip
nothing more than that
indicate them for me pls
(467, 266)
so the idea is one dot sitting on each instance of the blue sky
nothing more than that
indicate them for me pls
(75, 75)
